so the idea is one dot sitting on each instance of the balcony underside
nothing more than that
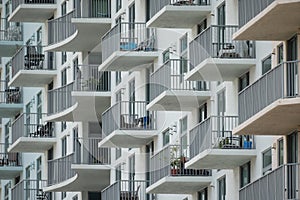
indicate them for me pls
(87, 178)
(10, 172)
(32, 78)
(86, 38)
(179, 185)
(32, 145)
(178, 100)
(279, 118)
(10, 110)
(221, 159)
(90, 105)
(65, 115)
(179, 16)
(9, 48)
(279, 21)
(128, 60)
(218, 69)
(128, 138)
(32, 13)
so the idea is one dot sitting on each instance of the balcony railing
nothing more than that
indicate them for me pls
(89, 78)
(10, 95)
(96, 9)
(216, 133)
(216, 42)
(60, 99)
(29, 189)
(170, 162)
(16, 3)
(9, 159)
(248, 9)
(86, 151)
(123, 190)
(171, 77)
(127, 36)
(126, 115)
(281, 183)
(32, 58)
(10, 31)
(280, 82)
(157, 5)
(31, 125)
(61, 28)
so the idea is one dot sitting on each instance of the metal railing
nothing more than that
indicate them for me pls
(10, 95)
(10, 31)
(281, 183)
(9, 159)
(59, 170)
(89, 78)
(216, 133)
(60, 99)
(95, 9)
(248, 9)
(16, 3)
(128, 36)
(61, 28)
(171, 77)
(170, 162)
(157, 5)
(28, 189)
(87, 152)
(125, 189)
(126, 115)
(280, 82)
(216, 42)
(32, 125)
(32, 58)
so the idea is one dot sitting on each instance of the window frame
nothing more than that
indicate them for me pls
(280, 157)
(166, 137)
(263, 69)
(246, 166)
(266, 168)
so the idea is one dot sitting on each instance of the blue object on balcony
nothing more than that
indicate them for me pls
(128, 46)
(247, 145)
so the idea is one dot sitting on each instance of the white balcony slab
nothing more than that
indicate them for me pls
(9, 48)
(8, 110)
(32, 144)
(10, 172)
(32, 78)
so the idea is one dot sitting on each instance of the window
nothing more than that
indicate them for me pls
(222, 188)
(63, 195)
(39, 168)
(64, 8)
(183, 138)
(202, 26)
(183, 44)
(267, 160)
(118, 78)
(118, 5)
(243, 81)
(245, 174)
(280, 152)
(39, 107)
(166, 55)
(64, 146)
(119, 96)
(118, 153)
(266, 64)
(39, 40)
(6, 191)
(76, 70)
(63, 126)
(64, 77)
(166, 137)
(63, 57)
(203, 195)
(280, 54)
(118, 173)
(202, 112)
(221, 103)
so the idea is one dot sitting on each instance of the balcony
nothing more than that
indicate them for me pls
(29, 189)
(91, 93)
(287, 184)
(10, 163)
(80, 29)
(212, 145)
(32, 10)
(214, 56)
(31, 134)
(170, 92)
(270, 105)
(87, 169)
(178, 13)
(128, 124)
(11, 37)
(123, 190)
(11, 100)
(267, 19)
(128, 46)
(169, 176)
(32, 67)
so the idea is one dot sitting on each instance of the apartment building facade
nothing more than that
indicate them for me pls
(149, 100)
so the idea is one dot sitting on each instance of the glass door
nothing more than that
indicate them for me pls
(292, 68)
(292, 170)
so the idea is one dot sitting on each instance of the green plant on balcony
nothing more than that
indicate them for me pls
(92, 84)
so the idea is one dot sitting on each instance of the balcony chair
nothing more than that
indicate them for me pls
(147, 45)
(13, 95)
(33, 60)
(130, 195)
